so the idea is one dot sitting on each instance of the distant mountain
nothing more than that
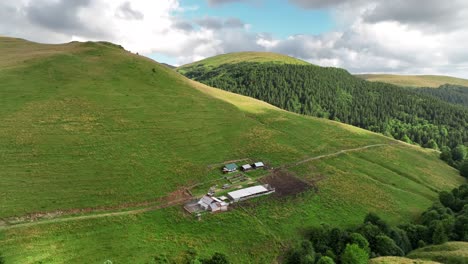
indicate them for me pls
(335, 94)
(432, 81)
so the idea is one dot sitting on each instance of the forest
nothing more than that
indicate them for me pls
(446, 220)
(412, 116)
(450, 93)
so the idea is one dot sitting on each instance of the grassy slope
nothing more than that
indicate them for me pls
(244, 56)
(399, 260)
(451, 252)
(414, 80)
(88, 125)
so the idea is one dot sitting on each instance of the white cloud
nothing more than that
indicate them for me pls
(370, 35)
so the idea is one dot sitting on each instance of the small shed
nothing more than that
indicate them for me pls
(218, 207)
(232, 167)
(246, 167)
(213, 204)
(258, 165)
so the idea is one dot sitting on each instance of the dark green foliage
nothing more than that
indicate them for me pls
(401, 239)
(360, 240)
(370, 232)
(439, 236)
(326, 260)
(335, 94)
(2, 260)
(377, 221)
(385, 246)
(450, 93)
(446, 155)
(353, 254)
(217, 258)
(320, 238)
(459, 153)
(416, 234)
(303, 253)
(464, 169)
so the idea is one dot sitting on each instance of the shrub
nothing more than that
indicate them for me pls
(325, 260)
(353, 254)
(386, 246)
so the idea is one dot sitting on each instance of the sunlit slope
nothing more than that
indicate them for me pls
(451, 252)
(414, 80)
(237, 57)
(87, 125)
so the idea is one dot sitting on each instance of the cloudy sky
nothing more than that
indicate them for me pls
(398, 36)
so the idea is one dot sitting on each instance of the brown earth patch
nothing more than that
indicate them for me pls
(286, 183)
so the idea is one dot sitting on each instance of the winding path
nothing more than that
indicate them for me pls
(5, 226)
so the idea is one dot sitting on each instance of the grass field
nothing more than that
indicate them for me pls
(244, 56)
(414, 80)
(88, 125)
(450, 253)
(399, 260)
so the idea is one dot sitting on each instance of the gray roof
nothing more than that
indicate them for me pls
(248, 192)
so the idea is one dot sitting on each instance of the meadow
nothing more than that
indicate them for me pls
(89, 125)
(433, 81)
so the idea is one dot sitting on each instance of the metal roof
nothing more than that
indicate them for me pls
(246, 166)
(231, 166)
(247, 192)
(259, 164)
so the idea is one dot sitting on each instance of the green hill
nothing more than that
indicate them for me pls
(237, 57)
(450, 253)
(99, 147)
(335, 94)
(433, 81)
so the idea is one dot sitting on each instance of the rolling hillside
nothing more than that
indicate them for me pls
(451, 252)
(335, 94)
(232, 58)
(433, 81)
(100, 145)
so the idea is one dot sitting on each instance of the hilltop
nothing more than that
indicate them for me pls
(99, 147)
(433, 81)
(335, 94)
(237, 57)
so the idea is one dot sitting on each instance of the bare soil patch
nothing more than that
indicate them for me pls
(286, 184)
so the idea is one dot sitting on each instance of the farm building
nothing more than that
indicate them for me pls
(250, 192)
(213, 204)
(232, 167)
(246, 167)
(258, 165)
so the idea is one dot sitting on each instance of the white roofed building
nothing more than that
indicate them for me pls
(250, 192)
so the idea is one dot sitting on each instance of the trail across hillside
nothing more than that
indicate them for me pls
(5, 226)
(337, 153)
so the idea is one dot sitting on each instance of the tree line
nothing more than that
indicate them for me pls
(446, 220)
(404, 114)
(454, 94)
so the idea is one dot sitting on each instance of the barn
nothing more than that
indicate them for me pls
(250, 192)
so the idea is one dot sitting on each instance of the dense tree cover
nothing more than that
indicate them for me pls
(446, 220)
(450, 93)
(335, 94)
(456, 157)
